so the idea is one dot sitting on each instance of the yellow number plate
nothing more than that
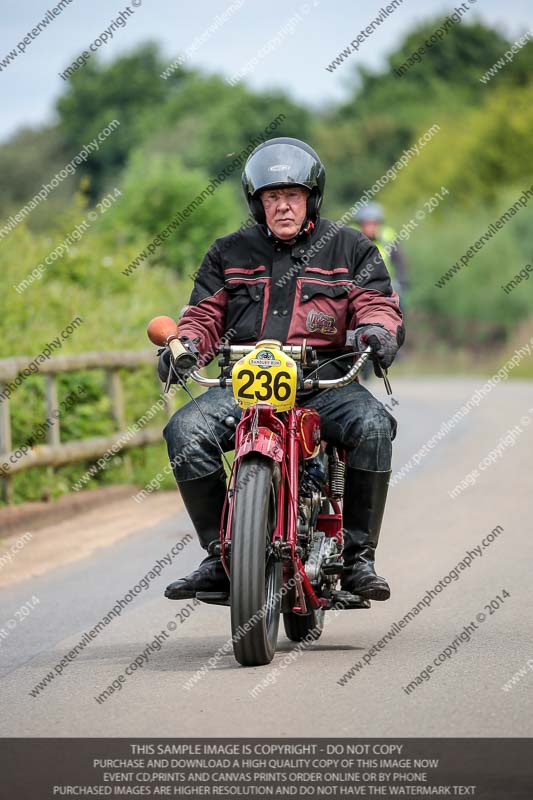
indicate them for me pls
(266, 375)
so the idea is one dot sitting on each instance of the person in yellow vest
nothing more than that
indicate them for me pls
(370, 221)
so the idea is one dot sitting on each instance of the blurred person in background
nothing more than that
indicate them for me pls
(370, 220)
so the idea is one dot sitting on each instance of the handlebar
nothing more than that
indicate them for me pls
(295, 352)
(164, 331)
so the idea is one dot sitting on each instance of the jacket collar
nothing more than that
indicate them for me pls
(302, 238)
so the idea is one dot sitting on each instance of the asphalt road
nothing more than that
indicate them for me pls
(426, 534)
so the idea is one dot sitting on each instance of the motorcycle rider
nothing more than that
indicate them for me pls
(293, 276)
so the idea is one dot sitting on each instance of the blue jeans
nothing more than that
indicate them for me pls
(351, 418)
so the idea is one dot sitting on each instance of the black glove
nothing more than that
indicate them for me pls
(163, 364)
(384, 344)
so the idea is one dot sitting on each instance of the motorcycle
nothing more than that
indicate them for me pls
(281, 532)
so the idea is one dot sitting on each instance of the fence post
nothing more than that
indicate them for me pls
(52, 410)
(114, 388)
(53, 436)
(5, 443)
(116, 395)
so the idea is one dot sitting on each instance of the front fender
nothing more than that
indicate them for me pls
(265, 441)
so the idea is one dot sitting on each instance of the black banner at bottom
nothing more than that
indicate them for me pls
(486, 769)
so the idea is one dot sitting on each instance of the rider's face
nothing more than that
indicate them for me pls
(285, 210)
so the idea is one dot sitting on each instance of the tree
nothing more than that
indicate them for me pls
(205, 121)
(126, 89)
(154, 190)
(30, 158)
(386, 112)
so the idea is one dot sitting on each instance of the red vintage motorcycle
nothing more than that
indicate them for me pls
(281, 532)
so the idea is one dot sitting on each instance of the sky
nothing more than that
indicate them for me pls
(309, 35)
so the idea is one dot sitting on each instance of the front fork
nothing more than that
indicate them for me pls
(258, 431)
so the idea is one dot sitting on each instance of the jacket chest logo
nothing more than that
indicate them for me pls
(323, 323)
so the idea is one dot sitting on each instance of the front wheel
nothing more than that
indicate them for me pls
(255, 572)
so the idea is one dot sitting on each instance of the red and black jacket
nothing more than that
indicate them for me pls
(330, 280)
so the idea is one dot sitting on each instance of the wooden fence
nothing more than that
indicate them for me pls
(53, 453)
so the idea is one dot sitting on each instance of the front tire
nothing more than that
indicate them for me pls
(255, 573)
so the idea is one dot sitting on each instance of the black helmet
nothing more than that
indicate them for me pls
(283, 162)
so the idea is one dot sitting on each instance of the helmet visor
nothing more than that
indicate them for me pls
(280, 164)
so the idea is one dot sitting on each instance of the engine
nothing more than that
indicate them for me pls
(317, 550)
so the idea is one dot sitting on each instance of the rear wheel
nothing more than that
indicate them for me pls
(304, 626)
(255, 572)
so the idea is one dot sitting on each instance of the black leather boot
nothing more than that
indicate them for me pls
(204, 500)
(365, 493)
